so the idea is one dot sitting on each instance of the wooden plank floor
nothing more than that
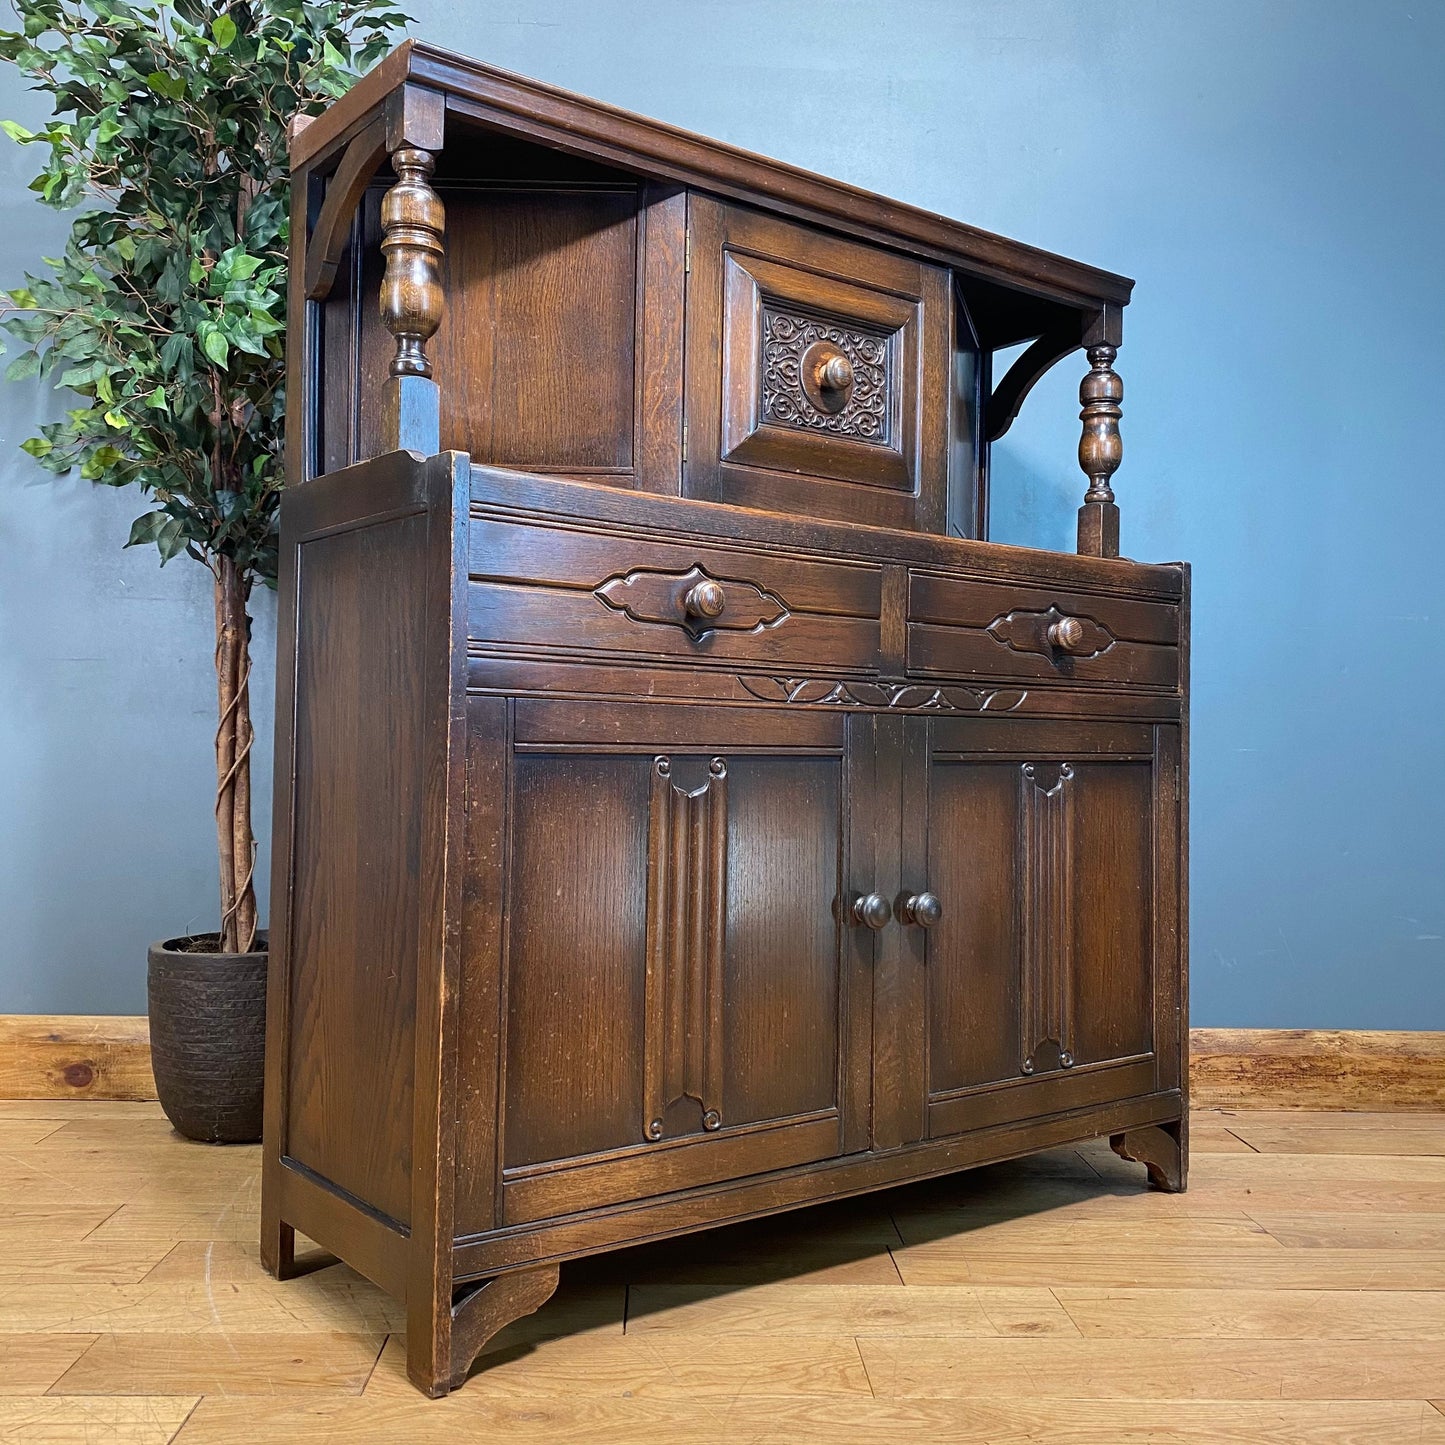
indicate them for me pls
(1296, 1293)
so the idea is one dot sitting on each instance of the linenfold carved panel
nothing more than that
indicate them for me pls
(686, 916)
(1047, 916)
(660, 597)
(895, 696)
(785, 398)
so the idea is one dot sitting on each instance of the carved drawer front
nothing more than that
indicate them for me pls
(569, 591)
(817, 372)
(964, 628)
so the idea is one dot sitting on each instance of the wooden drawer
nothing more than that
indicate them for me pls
(818, 372)
(575, 591)
(959, 627)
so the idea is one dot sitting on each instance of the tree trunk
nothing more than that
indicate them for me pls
(236, 844)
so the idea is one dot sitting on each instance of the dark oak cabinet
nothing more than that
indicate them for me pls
(683, 811)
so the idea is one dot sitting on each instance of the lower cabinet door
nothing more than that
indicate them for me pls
(1047, 848)
(677, 977)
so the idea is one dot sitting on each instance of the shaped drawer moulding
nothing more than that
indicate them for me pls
(665, 597)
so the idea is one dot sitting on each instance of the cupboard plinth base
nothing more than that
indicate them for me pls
(1162, 1149)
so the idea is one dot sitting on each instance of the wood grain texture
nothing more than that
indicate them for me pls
(1317, 1069)
(1091, 1312)
(1298, 1070)
(31, 1364)
(781, 1421)
(156, 1364)
(75, 1057)
(137, 1421)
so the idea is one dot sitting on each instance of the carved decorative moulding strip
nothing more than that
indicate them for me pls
(662, 597)
(686, 911)
(893, 696)
(1029, 632)
(802, 353)
(1047, 916)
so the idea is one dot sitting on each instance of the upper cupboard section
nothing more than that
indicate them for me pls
(608, 329)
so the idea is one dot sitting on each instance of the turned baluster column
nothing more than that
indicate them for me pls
(1101, 449)
(413, 223)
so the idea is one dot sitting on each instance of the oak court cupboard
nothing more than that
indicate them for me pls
(683, 812)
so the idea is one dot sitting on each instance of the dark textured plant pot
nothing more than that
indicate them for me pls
(208, 1039)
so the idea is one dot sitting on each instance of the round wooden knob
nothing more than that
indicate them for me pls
(872, 910)
(834, 372)
(1067, 634)
(923, 909)
(704, 599)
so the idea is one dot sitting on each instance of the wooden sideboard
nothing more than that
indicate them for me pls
(683, 812)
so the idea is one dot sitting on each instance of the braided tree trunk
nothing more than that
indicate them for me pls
(234, 736)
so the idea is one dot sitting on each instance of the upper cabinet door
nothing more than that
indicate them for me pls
(819, 373)
(679, 977)
(1050, 858)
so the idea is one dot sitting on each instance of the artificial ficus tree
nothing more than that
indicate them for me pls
(165, 316)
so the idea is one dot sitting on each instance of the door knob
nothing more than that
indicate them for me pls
(872, 910)
(924, 909)
(704, 599)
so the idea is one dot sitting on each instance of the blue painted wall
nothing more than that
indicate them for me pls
(1273, 174)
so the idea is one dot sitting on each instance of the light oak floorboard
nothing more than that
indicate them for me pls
(1099, 1369)
(67, 1111)
(746, 1420)
(1256, 1314)
(788, 1308)
(1337, 1230)
(235, 1365)
(1295, 1293)
(943, 1263)
(112, 1421)
(652, 1366)
(29, 1257)
(31, 1364)
(1406, 1122)
(1362, 1139)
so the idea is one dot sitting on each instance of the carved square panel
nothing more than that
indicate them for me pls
(802, 354)
(818, 372)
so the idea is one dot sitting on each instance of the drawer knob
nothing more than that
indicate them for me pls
(923, 909)
(704, 599)
(1067, 634)
(834, 372)
(872, 910)
(827, 376)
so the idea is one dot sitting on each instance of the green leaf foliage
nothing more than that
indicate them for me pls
(166, 315)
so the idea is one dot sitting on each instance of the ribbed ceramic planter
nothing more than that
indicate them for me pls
(208, 1038)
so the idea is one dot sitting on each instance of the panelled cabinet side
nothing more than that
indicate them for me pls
(367, 815)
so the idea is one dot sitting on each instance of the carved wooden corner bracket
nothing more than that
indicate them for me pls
(1163, 1149)
(1008, 396)
(480, 1311)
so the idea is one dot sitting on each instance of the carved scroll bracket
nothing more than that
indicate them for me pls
(1008, 396)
